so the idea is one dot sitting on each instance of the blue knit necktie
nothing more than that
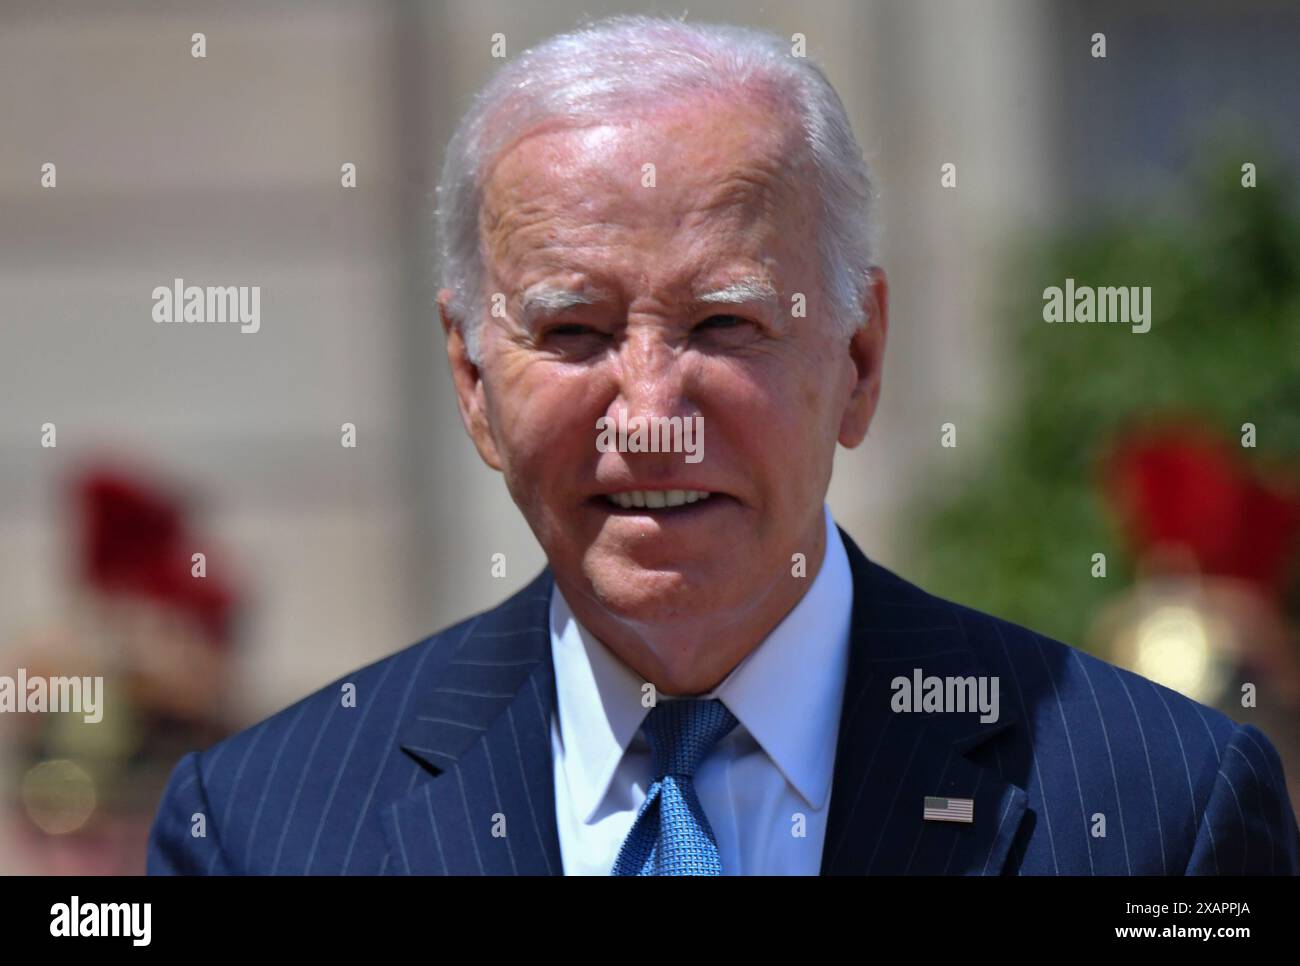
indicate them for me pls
(671, 835)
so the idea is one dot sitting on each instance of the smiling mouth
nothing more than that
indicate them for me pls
(655, 499)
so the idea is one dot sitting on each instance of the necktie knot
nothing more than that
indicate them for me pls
(681, 733)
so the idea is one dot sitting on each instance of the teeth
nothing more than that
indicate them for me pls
(656, 499)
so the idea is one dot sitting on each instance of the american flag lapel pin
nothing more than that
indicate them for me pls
(949, 809)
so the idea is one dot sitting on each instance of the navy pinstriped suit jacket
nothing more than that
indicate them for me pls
(453, 732)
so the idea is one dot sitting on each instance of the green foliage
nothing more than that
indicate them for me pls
(1223, 349)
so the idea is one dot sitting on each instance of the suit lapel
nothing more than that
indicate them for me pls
(887, 763)
(484, 803)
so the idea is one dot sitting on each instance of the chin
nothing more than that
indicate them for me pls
(636, 593)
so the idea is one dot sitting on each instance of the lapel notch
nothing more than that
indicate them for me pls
(481, 733)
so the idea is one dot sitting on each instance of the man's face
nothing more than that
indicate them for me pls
(732, 202)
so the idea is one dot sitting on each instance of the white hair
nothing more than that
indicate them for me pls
(612, 66)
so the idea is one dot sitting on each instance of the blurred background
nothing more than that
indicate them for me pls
(1072, 441)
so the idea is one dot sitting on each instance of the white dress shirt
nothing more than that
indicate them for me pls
(765, 787)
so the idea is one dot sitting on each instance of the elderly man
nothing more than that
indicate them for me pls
(666, 228)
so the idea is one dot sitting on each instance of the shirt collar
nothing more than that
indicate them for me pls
(786, 692)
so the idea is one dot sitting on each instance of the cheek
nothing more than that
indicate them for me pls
(776, 420)
(754, 417)
(815, 395)
(819, 391)
(544, 422)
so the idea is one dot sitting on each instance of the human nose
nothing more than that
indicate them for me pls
(652, 378)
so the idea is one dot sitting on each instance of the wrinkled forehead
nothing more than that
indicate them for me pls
(739, 163)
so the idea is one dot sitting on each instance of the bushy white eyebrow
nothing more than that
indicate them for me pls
(550, 299)
(546, 299)
(752, 289)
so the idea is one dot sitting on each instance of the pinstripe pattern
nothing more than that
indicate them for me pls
(449, 746)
